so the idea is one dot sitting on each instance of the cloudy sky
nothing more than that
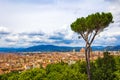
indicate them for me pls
(25, 23)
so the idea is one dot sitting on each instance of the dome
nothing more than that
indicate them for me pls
(82, 50)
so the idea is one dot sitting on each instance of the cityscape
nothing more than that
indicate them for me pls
(24, 61)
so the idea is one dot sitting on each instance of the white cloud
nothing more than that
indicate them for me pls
(53, 17)
(28, 17)
(4, 30)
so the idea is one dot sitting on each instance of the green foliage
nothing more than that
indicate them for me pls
(79, 66)
(117, 72)
(92, 22)
(33, 74)
(9, 76)
(106, 68)
(66, 72)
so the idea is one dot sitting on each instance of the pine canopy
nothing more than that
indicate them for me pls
(97, 21)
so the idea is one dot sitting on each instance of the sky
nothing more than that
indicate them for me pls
(25, 23)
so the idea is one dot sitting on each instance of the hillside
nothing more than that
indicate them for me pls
(52, 48)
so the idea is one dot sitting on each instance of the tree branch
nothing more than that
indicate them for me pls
(90, 37)
(82, 35)
(93, 37)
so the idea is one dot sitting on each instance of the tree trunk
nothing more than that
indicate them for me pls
(89, 61)
(87, 56)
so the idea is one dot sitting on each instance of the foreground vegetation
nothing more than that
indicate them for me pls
(107, 68)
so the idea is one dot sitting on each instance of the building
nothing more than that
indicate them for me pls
(82, 50)
(1, 72)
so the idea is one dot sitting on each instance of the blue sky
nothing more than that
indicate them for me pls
(25, 23)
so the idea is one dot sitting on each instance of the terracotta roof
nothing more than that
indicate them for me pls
(1, 71)
(82, 50)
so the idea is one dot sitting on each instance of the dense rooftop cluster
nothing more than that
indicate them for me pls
(20, 62)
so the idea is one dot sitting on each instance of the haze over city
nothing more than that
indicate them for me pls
(25, 23)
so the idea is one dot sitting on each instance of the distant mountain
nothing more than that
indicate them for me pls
(98, 48)
(52, 48)
(41, 48)
(11, 49)
(112, 48)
